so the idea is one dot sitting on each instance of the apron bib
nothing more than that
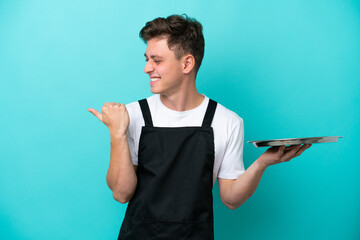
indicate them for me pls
(173, 198)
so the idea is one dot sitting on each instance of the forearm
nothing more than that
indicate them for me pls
(121, 177)
(245, 185)
(241, 189)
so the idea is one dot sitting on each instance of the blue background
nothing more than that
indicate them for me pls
(288, 68)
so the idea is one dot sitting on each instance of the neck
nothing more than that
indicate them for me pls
(183, 100)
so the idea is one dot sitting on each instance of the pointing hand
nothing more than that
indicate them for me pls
(114, 116)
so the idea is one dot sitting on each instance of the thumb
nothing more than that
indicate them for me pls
(96, 113)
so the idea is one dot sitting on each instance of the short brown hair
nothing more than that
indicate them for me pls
(184, 35)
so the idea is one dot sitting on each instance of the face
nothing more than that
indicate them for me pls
(164, 70)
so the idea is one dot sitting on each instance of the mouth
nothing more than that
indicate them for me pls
(154, 81)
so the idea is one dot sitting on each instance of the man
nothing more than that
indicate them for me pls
(167, 150)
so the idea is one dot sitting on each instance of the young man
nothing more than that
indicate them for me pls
(168, 150)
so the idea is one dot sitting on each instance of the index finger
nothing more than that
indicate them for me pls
(302, 149)
(293, 151)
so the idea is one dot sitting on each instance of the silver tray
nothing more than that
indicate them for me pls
(294, 141)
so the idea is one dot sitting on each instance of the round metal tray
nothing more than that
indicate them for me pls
(294, 141)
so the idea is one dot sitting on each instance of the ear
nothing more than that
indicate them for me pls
(188, 63)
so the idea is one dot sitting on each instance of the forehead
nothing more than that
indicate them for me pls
(158, 46)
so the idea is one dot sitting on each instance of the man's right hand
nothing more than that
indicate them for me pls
(114, 116)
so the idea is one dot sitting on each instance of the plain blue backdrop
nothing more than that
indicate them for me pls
(288, 68)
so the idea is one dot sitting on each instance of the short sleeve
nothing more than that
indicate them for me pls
(132, 132)
(232, 164)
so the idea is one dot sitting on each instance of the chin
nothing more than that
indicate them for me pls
(155, 91)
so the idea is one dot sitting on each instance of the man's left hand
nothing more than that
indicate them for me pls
(275, 155)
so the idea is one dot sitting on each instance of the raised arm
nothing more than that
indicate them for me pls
(121, 176)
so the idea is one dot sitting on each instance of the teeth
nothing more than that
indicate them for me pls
(154, 79)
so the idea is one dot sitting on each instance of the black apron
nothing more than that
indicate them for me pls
(173, 198)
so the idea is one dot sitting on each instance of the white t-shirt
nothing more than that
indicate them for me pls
(227, 126)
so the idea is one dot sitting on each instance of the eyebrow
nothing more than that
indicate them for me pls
(152, 56)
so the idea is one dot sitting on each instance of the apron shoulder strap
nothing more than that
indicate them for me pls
(146, 112)
(209, 115)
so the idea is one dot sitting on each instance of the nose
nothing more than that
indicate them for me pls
(148, 67)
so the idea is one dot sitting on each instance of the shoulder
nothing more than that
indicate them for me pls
(227, 117)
